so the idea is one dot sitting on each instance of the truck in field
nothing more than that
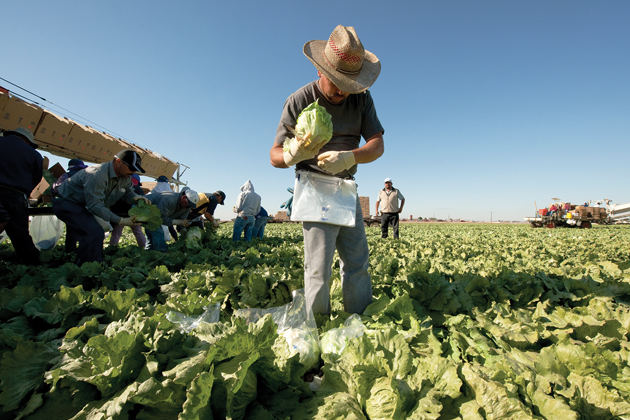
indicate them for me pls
(580, 216)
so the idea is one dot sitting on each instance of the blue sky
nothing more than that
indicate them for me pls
(488, 106)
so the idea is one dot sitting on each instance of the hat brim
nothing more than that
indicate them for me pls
(21, 135)
(135, 168)
(191, 205)
(349, 83)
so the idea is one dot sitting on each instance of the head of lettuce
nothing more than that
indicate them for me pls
(313, 130)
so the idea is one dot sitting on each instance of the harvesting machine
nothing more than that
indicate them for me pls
(568, 215)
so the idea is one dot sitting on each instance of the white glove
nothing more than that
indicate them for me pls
(143, 198)
(181, 222)
(336, 162)
(128, 221)
(300, 149)
(215, 224)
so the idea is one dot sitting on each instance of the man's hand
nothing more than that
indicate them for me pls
(301, 149)
(129, 221)
(181, 222)
(336, 162)
(140, 197)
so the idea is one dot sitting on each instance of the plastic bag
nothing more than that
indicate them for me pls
(187, 323)
(46, 231)
(334, 340)
(167, 234)
(296, 324)
(3, 236)
(324, 199)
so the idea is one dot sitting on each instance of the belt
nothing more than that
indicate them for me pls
(4, 187)
(349, 178)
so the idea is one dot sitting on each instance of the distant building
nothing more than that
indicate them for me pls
(365, 206)
(282, 215)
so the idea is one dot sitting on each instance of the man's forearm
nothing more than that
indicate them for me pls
(277, 156)
(371, 150)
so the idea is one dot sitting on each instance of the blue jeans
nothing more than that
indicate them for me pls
(155, 240)
(320, 241)
(240, 225)
(259, 227)
(82, 227)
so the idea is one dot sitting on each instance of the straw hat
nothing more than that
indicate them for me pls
(344, 61)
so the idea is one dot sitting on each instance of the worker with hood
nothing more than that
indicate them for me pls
(174, 207)
(89, 194)
(246, 208)
(162, 184)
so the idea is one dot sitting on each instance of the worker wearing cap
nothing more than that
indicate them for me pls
(205, 207)
(174, 207)
(89, 194)
(388, 199)
(345, 70)
(74, 166)
(21, 168)
(162, 184)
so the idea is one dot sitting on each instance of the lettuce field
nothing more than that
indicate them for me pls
(469, 321)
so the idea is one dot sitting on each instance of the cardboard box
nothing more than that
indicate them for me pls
(170, 169)
(52, 130)
(100, 148)
(86, 143)
(39, 190)
(150, 163)
(57, 170)
(4, 99)
(108, 147)
(18, 113)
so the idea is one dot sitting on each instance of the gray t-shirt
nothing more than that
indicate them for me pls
(352, 119)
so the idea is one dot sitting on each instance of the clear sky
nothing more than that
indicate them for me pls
(488, 106)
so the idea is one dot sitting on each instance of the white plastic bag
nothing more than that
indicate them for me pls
(46, 231)
(324, 199)
(187, 323)
(296, 324)
(167, 234)
(334, 340)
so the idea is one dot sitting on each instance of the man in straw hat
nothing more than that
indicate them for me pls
(89, 194)
(21, 168)
(346, 70)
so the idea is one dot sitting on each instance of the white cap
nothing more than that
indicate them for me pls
(193, 198)
(388, 180)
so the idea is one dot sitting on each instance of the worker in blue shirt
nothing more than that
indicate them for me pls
(21, 168)
(261, 221)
